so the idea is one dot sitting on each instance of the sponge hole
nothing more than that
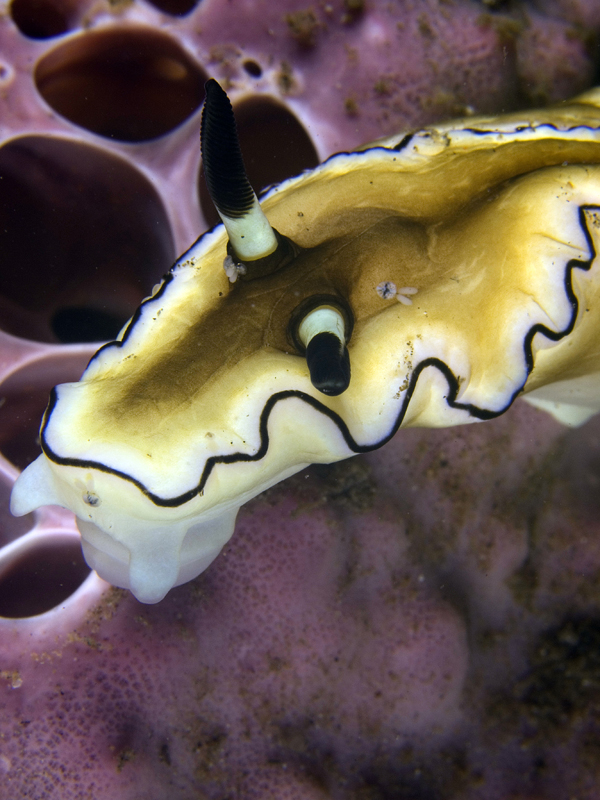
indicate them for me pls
(41, 19)
(82, 229)
(39, 573)
(24, 398)
(253, 68)
(131, 85)
(85, 324)
(176, 8)
(11, 528)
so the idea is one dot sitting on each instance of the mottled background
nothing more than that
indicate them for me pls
(422, 623)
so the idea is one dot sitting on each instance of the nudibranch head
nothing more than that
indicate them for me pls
(216, 390)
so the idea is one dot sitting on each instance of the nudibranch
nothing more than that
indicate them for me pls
(278, 339)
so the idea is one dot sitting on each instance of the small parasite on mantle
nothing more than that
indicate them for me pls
(387, 289)
(290, 356)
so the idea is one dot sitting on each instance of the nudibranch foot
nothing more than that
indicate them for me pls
(216, 389)
(160, 558)
(135, 554)
(571, 402)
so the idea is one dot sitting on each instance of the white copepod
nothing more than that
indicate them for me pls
(236, 385)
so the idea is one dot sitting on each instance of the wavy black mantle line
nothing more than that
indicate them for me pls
(407, 139)
(451, 379)
(533, 128)
(429, 132)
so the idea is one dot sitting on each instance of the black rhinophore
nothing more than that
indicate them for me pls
(226, 178)
(328, 363)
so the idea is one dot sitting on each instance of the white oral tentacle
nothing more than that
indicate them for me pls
(33, 488)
